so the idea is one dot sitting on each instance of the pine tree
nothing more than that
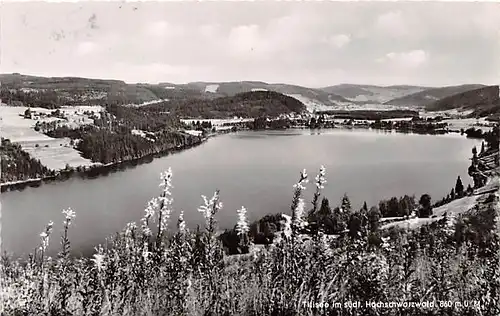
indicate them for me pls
(469, 189)
(374, 216)
(324, 217)
(425, 206)
(346, 204)
(459, 188)
(482, 149)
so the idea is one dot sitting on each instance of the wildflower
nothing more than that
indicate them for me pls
(129, 233)
(151, 208)
(287, 230)
(321, 178)
(181, 224)
(242, 225)
(303, 180)
(166, 178)
(164, 202)
(299, 214)
(147, 231)
(210, 207)
(44, 236)
(130, 228)
(99, 261)
(69, 215)
(165, 210)
(145, 252)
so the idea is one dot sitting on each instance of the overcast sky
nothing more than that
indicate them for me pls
(306, 43)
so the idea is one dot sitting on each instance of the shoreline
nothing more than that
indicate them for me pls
(95, 171)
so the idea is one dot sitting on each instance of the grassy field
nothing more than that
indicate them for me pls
(52, 152)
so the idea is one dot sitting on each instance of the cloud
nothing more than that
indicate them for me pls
(86, 48)
(338, 41)
(307, 43)
(392, 23)
(246, 39)
(210, 30)
(163, 29)
(411, 59)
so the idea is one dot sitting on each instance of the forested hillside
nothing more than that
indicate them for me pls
(17, 165)
(429, 96)
(112, 138)
(248, 104)
(23, 90)
(472, 99)
(105, 146)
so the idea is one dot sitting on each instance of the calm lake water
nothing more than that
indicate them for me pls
(253, 169)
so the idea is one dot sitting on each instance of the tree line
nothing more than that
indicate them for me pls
(106, 147)
(18, 165)
(247, 105)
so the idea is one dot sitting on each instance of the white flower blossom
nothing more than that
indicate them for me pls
(287, 231)
(321, 178)
(181, 224)
(166, 181)
(210, 207)
(130, 228)
(69, 215)
(151, 208)
(44, 236)
(299, 214)
(242, 226)
(145, 253)
(165, 201)
(165, 210)
(147, 231)
(303, 180)
(99, 261)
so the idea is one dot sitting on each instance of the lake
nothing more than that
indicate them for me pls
(252, 169)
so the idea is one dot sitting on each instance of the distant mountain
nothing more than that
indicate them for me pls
(429, 96)
(371, 93)
(492, 111)
(57, 91)
(475, 99)
(314, 99)
(18, 89)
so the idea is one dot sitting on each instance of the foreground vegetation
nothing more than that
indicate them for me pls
(148, 269)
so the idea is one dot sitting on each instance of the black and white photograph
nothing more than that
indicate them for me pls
(249, 158)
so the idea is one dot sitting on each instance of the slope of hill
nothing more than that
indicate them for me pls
(313, 98)
(35, 91)
(247, 104)
(492, 111)
(428, 96)
(472, 99)
(370, 93)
